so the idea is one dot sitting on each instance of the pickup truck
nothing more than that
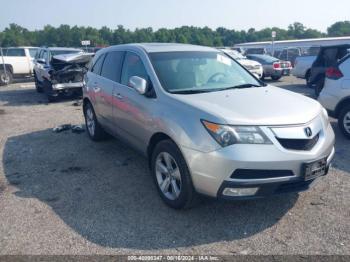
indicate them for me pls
(302, 67)
(18, 62)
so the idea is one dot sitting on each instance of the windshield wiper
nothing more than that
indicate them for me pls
(188, 92)
(239, 87)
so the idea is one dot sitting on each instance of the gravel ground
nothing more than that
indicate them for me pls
(63, 194)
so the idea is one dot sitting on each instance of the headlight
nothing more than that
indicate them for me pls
(228, 135)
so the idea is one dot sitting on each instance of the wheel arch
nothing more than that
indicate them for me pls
(154, 140)
(345, 101)
(8, 67)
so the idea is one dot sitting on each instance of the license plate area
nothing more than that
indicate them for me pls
(315, 169)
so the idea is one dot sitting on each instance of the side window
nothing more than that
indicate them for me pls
(96, 68)
(132, 66)
(15, 52)
(112, 66)
(4, 51)
(45, 55)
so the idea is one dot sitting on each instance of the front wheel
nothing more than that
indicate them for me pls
(172, 176)
(344, 121)
(38, 86)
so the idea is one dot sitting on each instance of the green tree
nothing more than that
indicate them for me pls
(339, 29)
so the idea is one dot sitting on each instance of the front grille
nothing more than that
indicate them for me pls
(260, 174)
(299, 144)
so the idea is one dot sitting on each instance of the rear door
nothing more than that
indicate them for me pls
(18, 59)
(93, 83)
(110, 78)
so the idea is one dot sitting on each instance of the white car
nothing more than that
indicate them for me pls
(302, 67)
(335, 96)
(18, 62)
(252, 66)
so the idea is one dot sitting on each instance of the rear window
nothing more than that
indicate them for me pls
(112, 66)
(96, 68)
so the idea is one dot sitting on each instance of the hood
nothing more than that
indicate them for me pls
(78, 58)
(256, 106)
(247, 62)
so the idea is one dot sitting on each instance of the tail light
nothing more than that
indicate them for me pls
(276, 65)
(289, 64)
(333, 73)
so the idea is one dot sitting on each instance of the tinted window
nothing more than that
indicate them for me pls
(199, 71)
(15, 52)
(112, 66)
(96, 68)
(133, 66)
(32, 52)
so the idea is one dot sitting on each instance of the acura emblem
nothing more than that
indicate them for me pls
(308, 132)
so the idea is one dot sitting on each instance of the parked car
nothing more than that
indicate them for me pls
(302, 67)
(272, 66)
(290, 54)
(251, 65)
(255, 51)
(60, 71)
(335, 96)
(18, 62)
(328, 57)
(206, 124)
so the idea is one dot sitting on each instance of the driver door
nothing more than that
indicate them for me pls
(132, 112)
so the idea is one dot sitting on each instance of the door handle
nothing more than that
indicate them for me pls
(119, 96)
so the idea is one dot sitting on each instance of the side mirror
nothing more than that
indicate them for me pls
(41, 61)
(139, 84)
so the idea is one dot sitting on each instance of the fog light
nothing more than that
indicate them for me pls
(240, 191)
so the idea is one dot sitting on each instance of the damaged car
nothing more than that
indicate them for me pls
(59, 71)
(328, 57)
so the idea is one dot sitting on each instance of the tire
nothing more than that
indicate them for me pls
(344, 121)
(93, 127)
(276, 78)
(169, 166)
(38, 87)
(5, 79)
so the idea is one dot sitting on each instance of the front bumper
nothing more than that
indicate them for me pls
(212, 172)
(64, 86)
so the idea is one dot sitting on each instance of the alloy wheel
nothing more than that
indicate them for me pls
(90, 121)
(346, 122)
(168, 176)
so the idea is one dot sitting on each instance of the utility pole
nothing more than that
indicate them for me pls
(273, 42)
(4, 67)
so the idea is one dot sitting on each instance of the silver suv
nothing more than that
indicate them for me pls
(205, 123)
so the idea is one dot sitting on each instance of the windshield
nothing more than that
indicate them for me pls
(32, 52)
(195, 72)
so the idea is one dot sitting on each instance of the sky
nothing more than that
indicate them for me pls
(232, 14)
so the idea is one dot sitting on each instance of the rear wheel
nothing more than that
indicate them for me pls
(172, 176)
(94, 129)
(5, 78)
(344, 121)
(275, 78)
